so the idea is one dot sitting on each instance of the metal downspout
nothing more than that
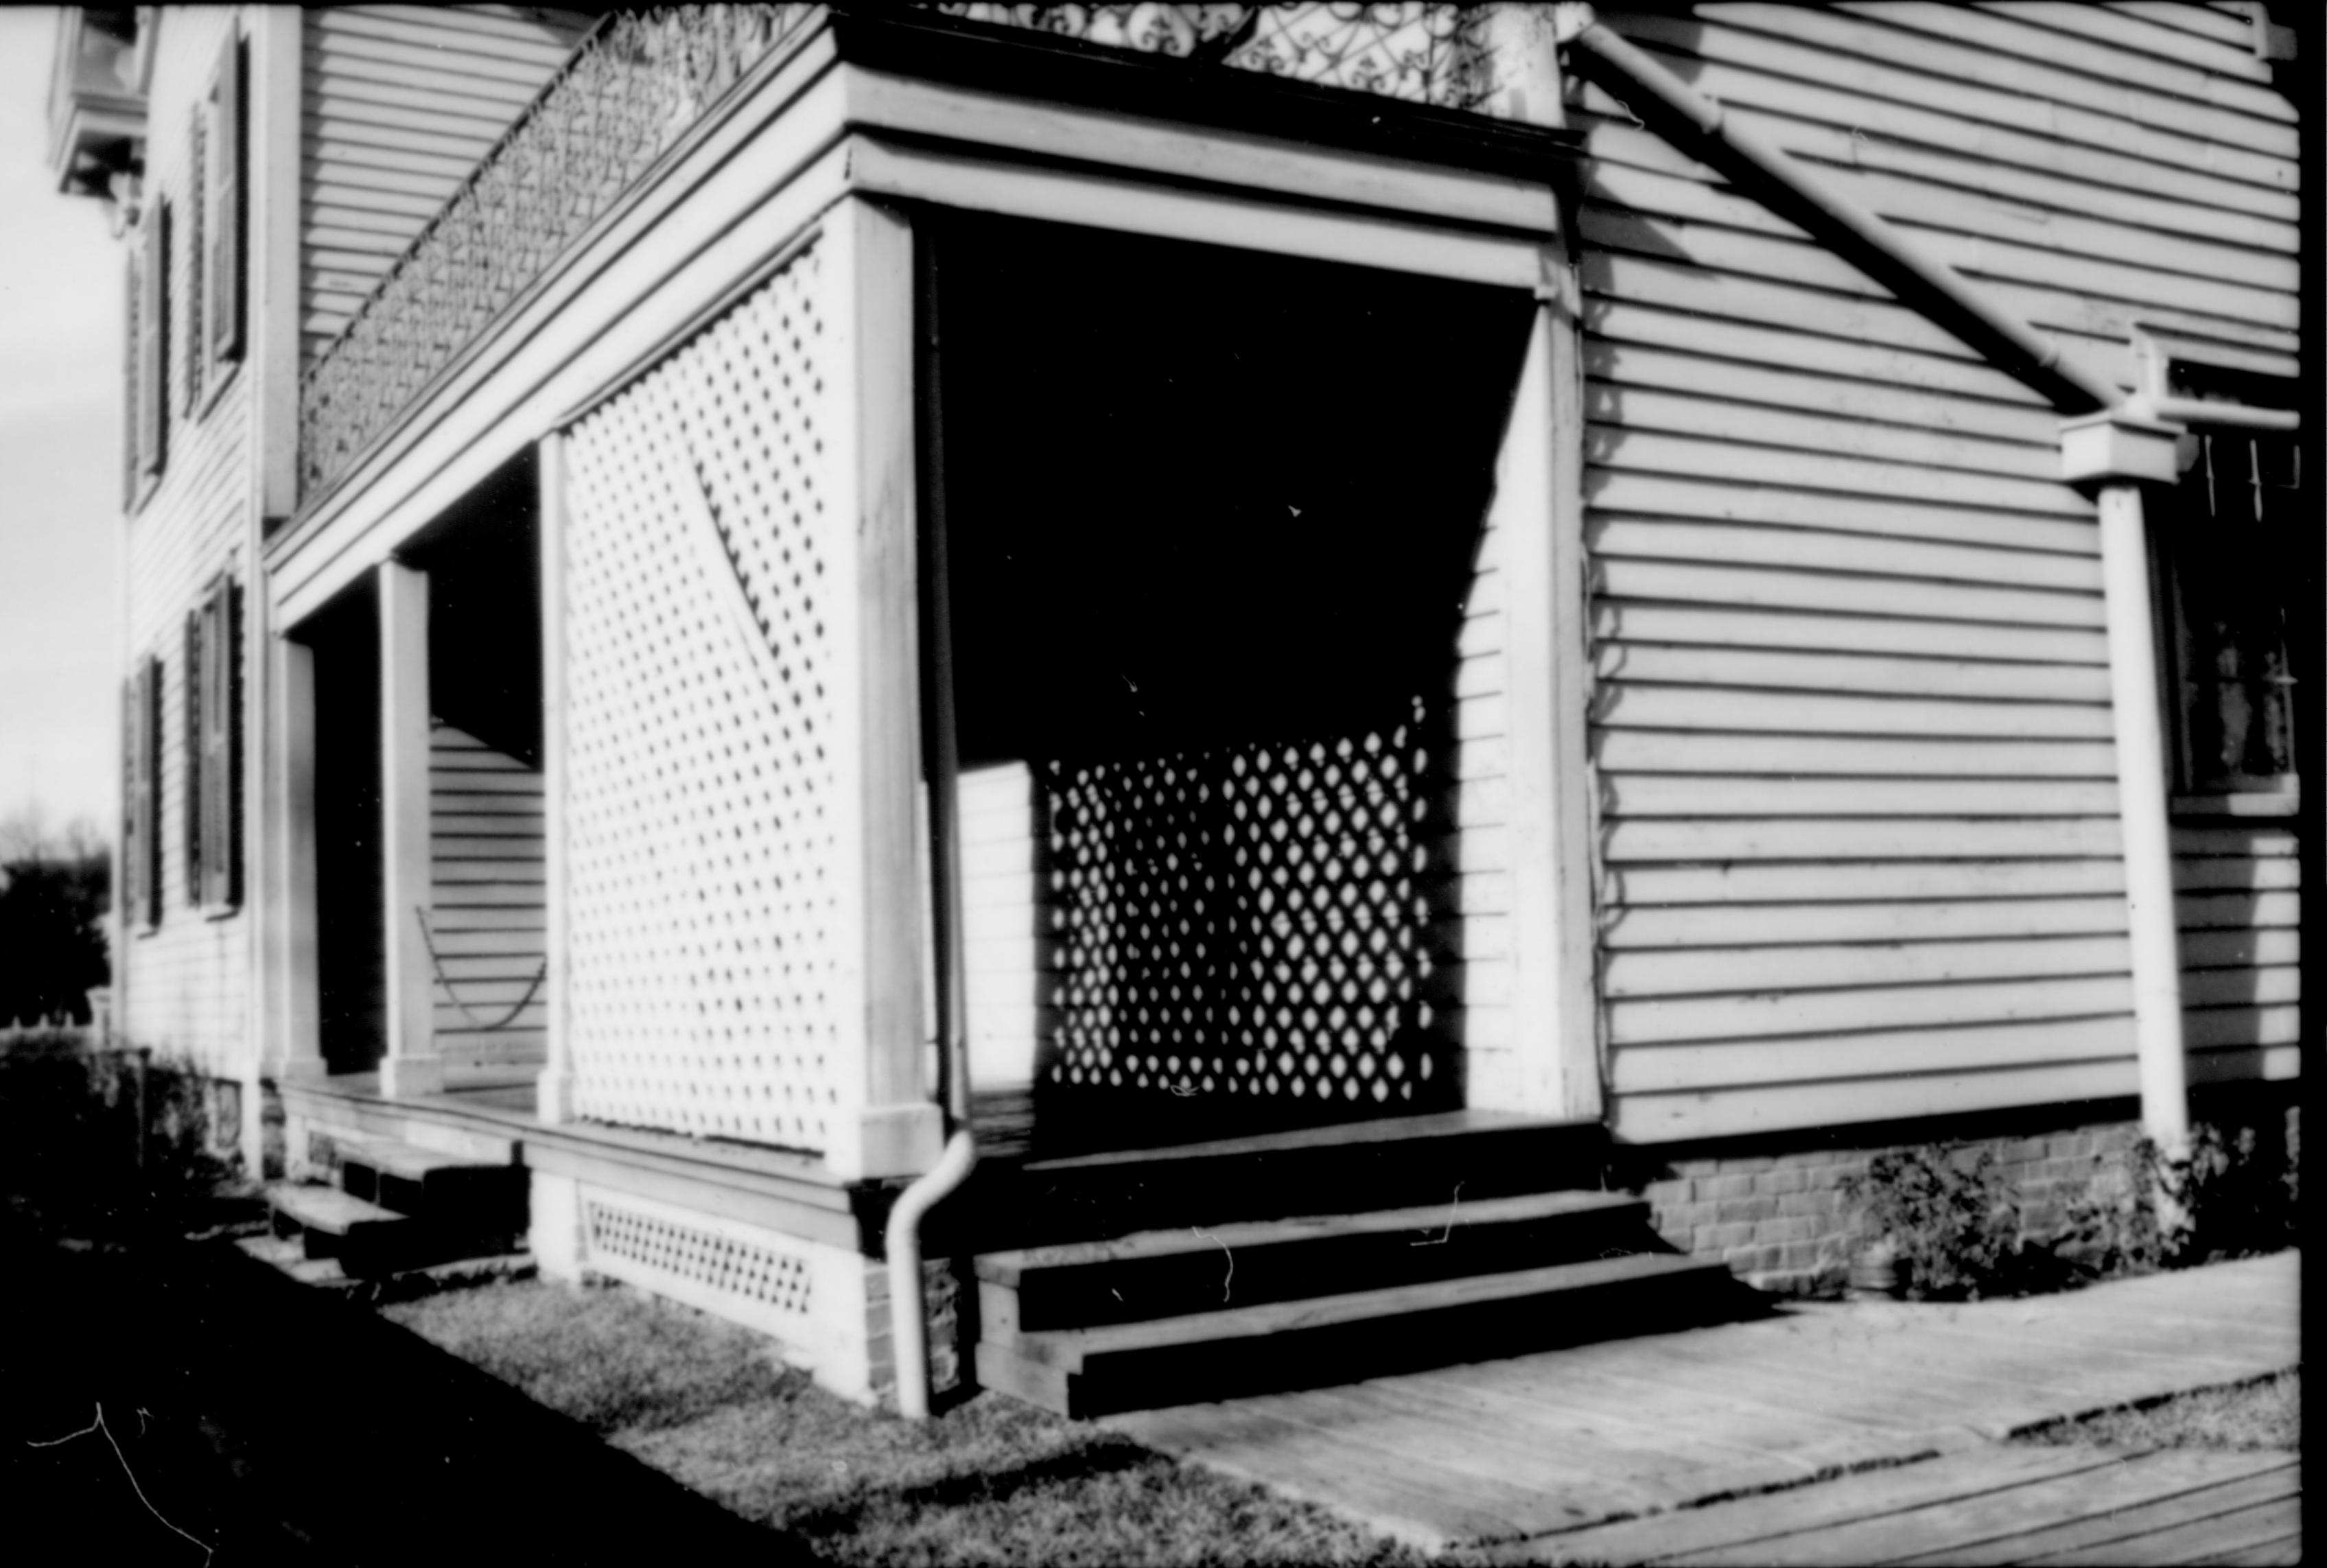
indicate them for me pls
(908, 1305)
(1765, 170)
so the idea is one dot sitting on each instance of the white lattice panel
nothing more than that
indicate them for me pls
(728, 1269)
(702, 860)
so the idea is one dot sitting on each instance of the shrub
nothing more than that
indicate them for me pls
(1952, 1217)
(95, 1139)
(2224, 1196)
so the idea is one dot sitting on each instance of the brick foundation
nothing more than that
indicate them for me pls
(1778, 1217)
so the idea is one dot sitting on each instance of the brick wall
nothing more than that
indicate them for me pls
(942, 1296)
(1778, 1217)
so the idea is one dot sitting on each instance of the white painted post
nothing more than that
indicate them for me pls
(412, 1066)
(296, 1002)
(554, 1099)
(2119, 450)
(1539, 507)
(893, 1128)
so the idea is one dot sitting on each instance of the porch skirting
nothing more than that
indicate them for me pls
(761, 1238)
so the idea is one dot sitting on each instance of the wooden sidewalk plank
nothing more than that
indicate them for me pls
(2284, 1550)
(1405, 1498)
(2106, 1497)
(2215, 1363)
(2224, 1488)
(1618, 1467)
(1667, 1460)
(2023, 1384)
(1769, 1520)
(1664, 1405)
(2077, 1523)
(1534, 1492)
(2249, 1526)
(1812, 1377)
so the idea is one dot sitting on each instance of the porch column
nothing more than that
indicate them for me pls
(412, 1066)
(554, 1101)
(296, 1002)
(2117, 450)
(892, 1128)
(1540, 508)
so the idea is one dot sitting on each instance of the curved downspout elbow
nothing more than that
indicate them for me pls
(908, 1309)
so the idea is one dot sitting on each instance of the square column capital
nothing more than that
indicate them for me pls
(2119, 446)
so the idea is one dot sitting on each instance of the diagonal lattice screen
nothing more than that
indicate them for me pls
(1259, 921)
(702, 860)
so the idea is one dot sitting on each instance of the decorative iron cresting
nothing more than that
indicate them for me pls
(1416, 52)
(642, 80)
(633, 88)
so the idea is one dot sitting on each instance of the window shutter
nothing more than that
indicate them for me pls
(193, 769)
(222, 850)
(130, 468)
(152, 339)
(196, 214)
(227, 211)
(229, 781)
(141, 849)
(133, 783)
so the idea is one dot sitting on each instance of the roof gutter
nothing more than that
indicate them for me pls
(1699, 126)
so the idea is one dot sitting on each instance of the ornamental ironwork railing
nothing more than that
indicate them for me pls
(1414, 51)
(636, 84)
(640, 80)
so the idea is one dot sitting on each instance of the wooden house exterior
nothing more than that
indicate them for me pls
(766, 622)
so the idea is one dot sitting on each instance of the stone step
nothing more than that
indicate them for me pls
(475, 1194)
(1190, 1269)
(1353, 1336)
(368, 1240)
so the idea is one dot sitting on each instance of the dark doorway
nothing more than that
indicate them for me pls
(1212, 517)
(350, 960)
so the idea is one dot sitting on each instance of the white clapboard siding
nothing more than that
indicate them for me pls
(488, 922)
(399, 103)
(1859, 856)
(2239, 949)
(184, 983)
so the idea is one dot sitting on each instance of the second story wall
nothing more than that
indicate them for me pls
(400, 103)
(187, 973)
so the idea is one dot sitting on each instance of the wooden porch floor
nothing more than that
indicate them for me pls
(1528, 1451)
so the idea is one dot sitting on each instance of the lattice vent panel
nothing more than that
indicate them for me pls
(1267, 922)
(689, 1262)
(702, 860)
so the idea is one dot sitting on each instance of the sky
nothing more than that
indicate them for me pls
(59, 471)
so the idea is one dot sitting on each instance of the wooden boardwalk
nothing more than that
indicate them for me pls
(1511, 1451)
(2066, 1507)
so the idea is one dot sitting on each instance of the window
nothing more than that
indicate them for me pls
(141, 837)
(2225, 548)
(213, 754)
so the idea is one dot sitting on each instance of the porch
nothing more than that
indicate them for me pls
(912, 748)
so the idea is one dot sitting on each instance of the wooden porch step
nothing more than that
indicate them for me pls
(447, 1188)
(368, 1240)
(1192, 1269)
(1345, 1337)
(286, 1254)
(1389, 1163)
